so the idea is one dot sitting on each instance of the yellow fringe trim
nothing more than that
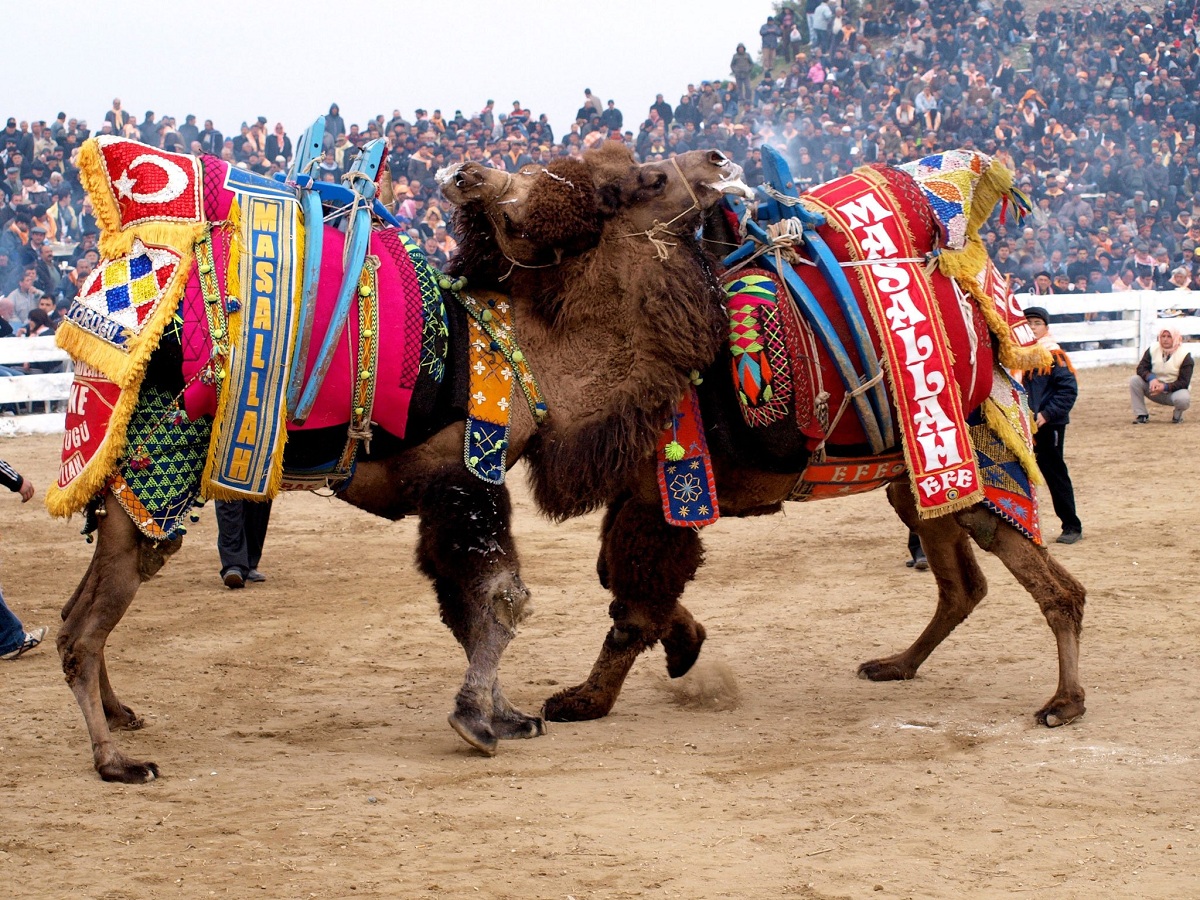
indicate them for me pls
(1012, 438)
(1011, 354)
(65, 502)
(126, 368)
(114, 241)
(966, 266)
(233, 328)
(233, 288)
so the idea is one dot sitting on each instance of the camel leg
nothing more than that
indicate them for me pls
(122, 561)
(647, 564)
(1059, 595)
(960, 582)
(466, 548)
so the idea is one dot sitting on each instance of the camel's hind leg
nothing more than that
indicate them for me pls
(466, 548)
(122, 561)
(1060, 596)
(960, 582)
(646, 563)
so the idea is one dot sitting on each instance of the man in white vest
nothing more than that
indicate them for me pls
(1164, 375)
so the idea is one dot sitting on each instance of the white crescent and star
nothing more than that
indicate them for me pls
(177, 180)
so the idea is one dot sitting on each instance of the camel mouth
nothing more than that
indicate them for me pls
(446, 174)
(731, 181)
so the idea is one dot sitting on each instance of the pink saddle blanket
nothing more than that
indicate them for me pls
(400, 323)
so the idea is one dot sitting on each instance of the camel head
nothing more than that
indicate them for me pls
(534, 215)
(542, 213)
(670, 196)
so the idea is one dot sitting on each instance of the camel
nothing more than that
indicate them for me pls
(645, 562)
(633, 373)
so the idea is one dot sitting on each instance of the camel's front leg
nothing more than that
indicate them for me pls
(466, 548)
(122, 561)
(646, 563)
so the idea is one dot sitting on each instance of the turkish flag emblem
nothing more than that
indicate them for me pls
(149, 184)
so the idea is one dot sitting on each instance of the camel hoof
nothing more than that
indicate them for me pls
(683, 649)
(1055, 715)
(519, 727)
(475, 732)
(126, 720)
(574, 705)
(885, 670)
(127, 772)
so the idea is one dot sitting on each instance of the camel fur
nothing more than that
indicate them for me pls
(606, 378)
(645, 563)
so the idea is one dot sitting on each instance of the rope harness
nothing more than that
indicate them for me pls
(654, 234)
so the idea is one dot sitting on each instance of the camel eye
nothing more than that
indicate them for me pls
(656, 180)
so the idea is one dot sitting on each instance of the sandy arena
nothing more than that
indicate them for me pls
(300, 724)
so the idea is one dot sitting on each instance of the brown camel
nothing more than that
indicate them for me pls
(646, 562)
(624, 360)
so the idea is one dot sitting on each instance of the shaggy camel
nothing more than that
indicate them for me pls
(646, 562)
(465, 544)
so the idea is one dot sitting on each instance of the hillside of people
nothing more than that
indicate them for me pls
(1095, 108)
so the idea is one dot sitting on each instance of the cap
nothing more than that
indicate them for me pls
(37, 229)
(1038, 312)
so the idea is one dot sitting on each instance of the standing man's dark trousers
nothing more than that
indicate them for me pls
(241, 531)
(1048, 449)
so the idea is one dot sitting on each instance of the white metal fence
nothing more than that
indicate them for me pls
(1123, 326)
(39, 391)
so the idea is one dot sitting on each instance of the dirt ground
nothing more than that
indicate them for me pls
(301, 726)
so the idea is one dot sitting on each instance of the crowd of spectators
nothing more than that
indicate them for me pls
(1095, 108)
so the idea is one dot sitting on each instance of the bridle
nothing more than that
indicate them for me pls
(497, 228)
(654, 234)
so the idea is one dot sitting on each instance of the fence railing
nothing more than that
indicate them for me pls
(1120, 328)
(38, 390)
(1121, 325)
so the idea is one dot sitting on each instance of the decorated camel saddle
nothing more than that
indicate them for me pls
(867, 314)
(228, 311)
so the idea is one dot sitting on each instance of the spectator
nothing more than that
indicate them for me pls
(16, 305)
(15, 641)
(1052, 394)
(118, 118)
(771, 34)
(241, 533)
(741, 66)
(334, 125)
(1164, 374)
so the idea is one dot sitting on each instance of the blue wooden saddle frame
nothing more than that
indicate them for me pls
(871, 406)
(357, 193)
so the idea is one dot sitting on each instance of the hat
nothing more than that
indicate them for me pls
(37, 229)
(1037, 312)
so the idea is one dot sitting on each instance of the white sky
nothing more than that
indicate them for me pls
(289, 60)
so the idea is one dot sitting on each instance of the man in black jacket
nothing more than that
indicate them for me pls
(1052, 394)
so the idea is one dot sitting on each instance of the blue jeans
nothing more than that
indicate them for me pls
(12, 632)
